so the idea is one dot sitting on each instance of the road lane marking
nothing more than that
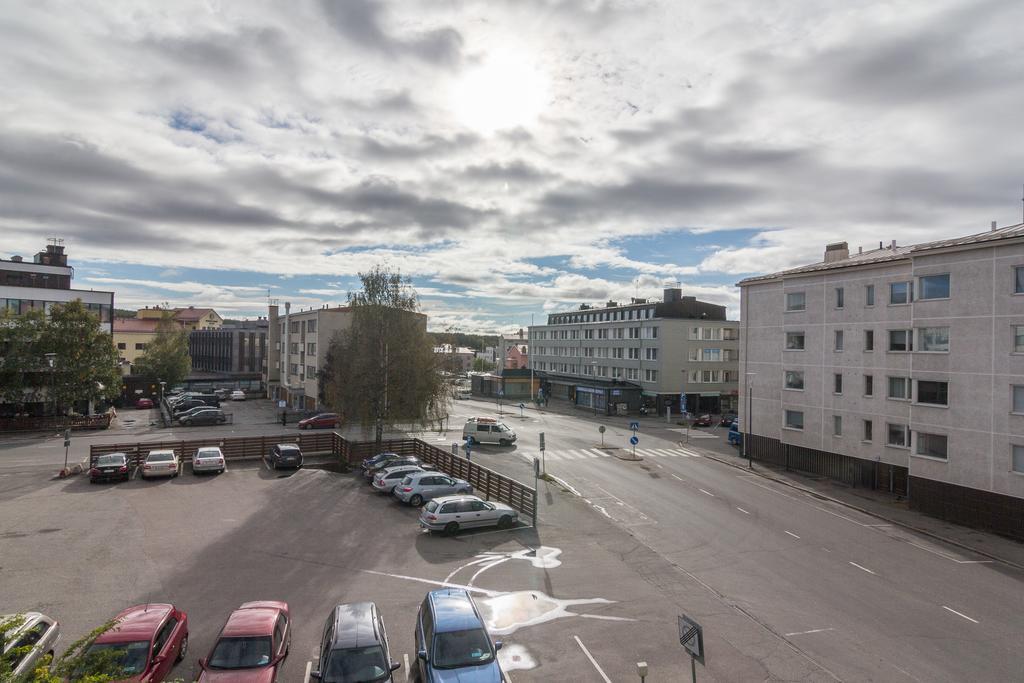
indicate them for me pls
(742, 510)
(677, 477)
(592, 660)
(707, 492)
(804, 633)
(863, 568)
(408, 671)
(959, 614)
(309, 667)
(792, 534)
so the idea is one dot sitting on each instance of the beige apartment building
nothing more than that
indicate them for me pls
(618, 358)
(297, 350)
(900, 368)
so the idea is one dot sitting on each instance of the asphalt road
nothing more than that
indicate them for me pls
(862, 599)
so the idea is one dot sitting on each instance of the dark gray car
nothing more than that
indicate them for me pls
(354, 647)
(210, 416)
(285, 455)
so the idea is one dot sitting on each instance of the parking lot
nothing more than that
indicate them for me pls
(564, 599)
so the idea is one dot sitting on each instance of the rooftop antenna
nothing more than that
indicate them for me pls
(55, 241)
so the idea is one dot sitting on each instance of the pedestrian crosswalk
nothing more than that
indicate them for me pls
(596, 453)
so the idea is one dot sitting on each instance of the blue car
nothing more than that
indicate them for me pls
(452, 643)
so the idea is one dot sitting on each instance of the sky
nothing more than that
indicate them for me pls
(511, 157)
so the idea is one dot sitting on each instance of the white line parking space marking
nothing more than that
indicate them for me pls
(309, 667)
(706, 492)
(408, 671)
(742, 510)
(677, 477)
(804, 633)
(862, 568)
(959, 614)
(592, 660)
(792, 534)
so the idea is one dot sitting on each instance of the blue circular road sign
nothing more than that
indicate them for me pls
(634, 440)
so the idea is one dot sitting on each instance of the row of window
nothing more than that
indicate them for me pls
(300, 326)
(711, 376)
(929, 392)
(929, 339)
(606, 333)
(713, 333)
(632, 352)
(601, 316)
(900, 293)
(713, 355)
(21, 306)
(590, 370)
(139, 346)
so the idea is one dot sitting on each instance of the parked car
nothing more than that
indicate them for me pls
(463, 394)
(24, 645)
(488, 430)
(192, 411)
(452, 513)
(372, 461)
(223, 394)
(252, 645)
(188, 404)
(452, 643)
(727, 420)
(385, 480)
(160, 464)
(321, 421)
(237, 395)
(210, 416)
(423, 486)
(287, 454)
(395, 461)
(144, 403)
(354, 647)
(702, 421)
(110, 467)
(149, 640)
(208, 459)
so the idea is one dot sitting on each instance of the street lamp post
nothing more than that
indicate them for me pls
(51, 359)
(162, 385)
(750, 420)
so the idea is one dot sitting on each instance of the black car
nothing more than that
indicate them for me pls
(285, 454)
(209, 416)
(372, 462)
(392, 460)
(727, 420)
(354, 646)
(110, 467)
(188, 404)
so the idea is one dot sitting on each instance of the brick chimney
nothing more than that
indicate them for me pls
(837, 251)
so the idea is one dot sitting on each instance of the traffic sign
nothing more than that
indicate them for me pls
(634, 440)
(635, 426)
(691, 637)
(521, 406)
(601, 429)
(542, 440)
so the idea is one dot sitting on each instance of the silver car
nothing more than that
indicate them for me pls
(34, 637)
(163, 463)
(385, 480)
(451, 513)
(422, 486)
(208, 459)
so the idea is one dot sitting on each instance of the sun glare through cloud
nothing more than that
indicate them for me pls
(506, 90)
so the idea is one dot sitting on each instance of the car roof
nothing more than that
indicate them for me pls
(453, 610)
(426, 472)
(355, 625)
(162, 451)
(252, 619)
(283, 446)
(136, 623)
(397, 468)
(119, 455)
(440, 500)
(208, 448)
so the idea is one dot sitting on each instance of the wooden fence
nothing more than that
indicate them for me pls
(21, 424)
(486, 482)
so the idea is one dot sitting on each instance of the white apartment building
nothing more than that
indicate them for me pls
(296, 351)
(617, 358)
(900, 368)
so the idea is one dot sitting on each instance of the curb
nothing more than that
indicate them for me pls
(870, 513)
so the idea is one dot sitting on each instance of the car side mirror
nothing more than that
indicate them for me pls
(314, 675)
(202, 663)
(159, 659)
(497, 645)
(395, 666)
(422, 654)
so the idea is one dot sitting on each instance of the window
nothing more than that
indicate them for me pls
(122, 346)
(899, 388)
(794, 341)
(634, 332)
(900, 293)
(794, 379)
(139, 346)
(867, 430)
(632, 373)
(711, 355)
(618, 353)
(837, 425)
(794, 419)
(839, 297)
(932, 445)
(869, 385)
(650, 375)
(1018, 280)
(712, 376)
(310, 372)
(796, 301)
(897, 435)
(901, 340)
(163, 634)
(933, 339)
(634, 353)
(651, 354)
(1017, 459)
(838, 383)
(933, 393)
(933, 287)
(1018, 399)
(839, 340)
(311, 349)
(869, 340)
(649, 333)
(1018, 339)
(311, 326)
(869, 295)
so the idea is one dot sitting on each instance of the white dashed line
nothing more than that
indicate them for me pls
(677, 477)
(804, 633)
(792, 534)
(592, 660)
(309, 667)
(862, 568)
(743, 511)
(707, 492)
(408, 671)
(959, 614)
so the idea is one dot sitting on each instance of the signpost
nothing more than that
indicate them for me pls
(67, 445)
(469, 444)
(634, 440)
(601, 429)
(543, 464)
(691, 637)
(521, 406)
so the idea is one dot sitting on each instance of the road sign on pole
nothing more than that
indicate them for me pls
(521, 406)
(601, 429)
(635, 426)
(691, 637)
(543, 462)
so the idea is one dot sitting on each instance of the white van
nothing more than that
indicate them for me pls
(488, 430)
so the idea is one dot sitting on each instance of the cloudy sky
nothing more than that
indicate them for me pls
(511, 157)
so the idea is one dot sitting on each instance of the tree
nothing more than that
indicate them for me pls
(382, 369)
(482, 365)
(85, 360)
(166, 358)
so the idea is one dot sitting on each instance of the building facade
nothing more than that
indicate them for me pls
(619, 358)
(905, 365)
(131, 337)
(233, 349)
(189, 318)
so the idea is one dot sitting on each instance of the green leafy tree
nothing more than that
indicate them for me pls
(382, 369)
(166, 358)
(482, 365)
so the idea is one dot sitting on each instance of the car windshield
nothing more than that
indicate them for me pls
(110, 460)
(462, 648)
(240, 653)
(431, 506)
(160, 457)
(208, 454)
(131, 656)
(357, 665)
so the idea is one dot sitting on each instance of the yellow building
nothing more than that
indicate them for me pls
(132, 335)
(190, 318)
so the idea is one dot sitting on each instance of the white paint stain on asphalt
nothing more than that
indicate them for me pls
(804, 633)
(742, 510)
(408, 671)
(792, 534)
(707, 492)
(507, 613)
(513, 657)
(959, 614)
(677, 477)
(862, 568)
(592, 660)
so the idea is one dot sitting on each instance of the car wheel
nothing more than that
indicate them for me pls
(451, 528)
(505, 522)
(416, 500)
(183, 649)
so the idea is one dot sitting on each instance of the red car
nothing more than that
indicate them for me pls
(251, 647)
(144, 403)
(321, 421)
(151, 638)
(702, 421)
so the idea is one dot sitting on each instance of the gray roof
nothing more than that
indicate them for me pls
(896, 254)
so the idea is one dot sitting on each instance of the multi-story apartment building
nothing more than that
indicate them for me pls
(297, 350)
(190, 318)
(898, 367)
(620, 357)
(234, 352)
